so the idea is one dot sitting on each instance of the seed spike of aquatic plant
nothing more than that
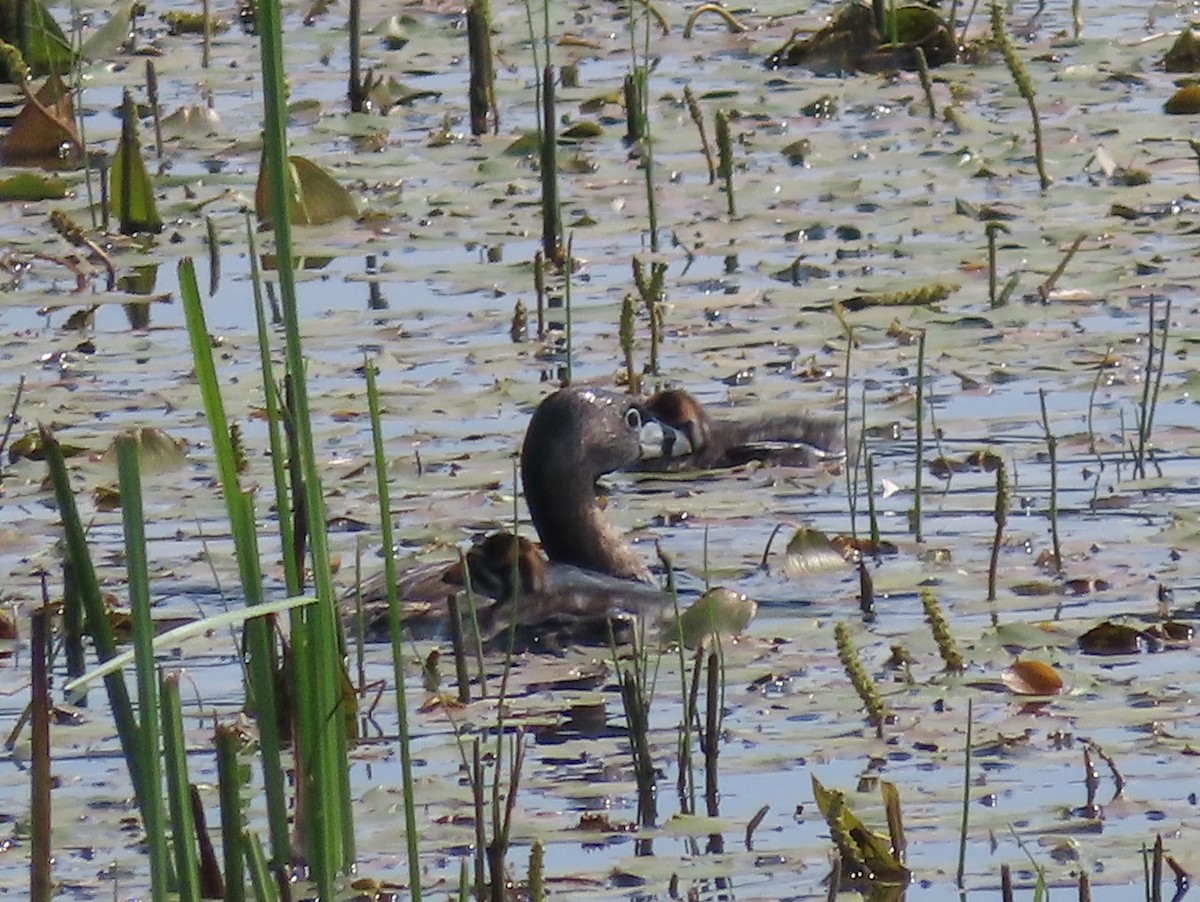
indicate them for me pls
(940, 629)
(725, 160)
(868, 693)
(693, 108)
(1052, 450)
(1024, 86)
(395, 631)
(1000, 515)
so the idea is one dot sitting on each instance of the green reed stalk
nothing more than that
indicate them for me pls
(625, 334)
(1000, 515)
(713, 707)
(537, 875)
(725, 160)
(1052, 449)
(239, 505)
(871, 513)
(321, 743)
(481, 91)
(926, 82)
(264, 888)
(965, 821)
(395, 633)
(1024, 86)
(552, 230)
(41, 874)
(1150, 387)
(88, 589)
(919, 475)
(283, 505)
(183, 827)
(851, 468)
(569, 266)
(149, 743)
(992, 229)
(354, 88)
(233, 844)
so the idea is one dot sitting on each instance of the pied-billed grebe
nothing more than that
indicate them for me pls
(797, 440)
(584, 570)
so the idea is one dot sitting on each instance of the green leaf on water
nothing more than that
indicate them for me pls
(719, 612)
(131, 190)
(317, 197)
(30, 186)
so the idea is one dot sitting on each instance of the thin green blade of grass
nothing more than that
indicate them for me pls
(321, 740)
(259, 638)
(133, 523)
(233, 838)
(395, 632)
(283, 503)
(183, 827)
(98, 626)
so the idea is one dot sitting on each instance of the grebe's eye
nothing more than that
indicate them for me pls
(633, 418)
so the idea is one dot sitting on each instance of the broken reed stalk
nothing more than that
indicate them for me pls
(569, 267)
(725, 160)
(1052, 450)
(926, 82)
(992, 229)
(625, 332)
(481, 89)
(459, 647)
(156, 111)
(712, 731)
(1047, 286)
(652, 292)
(634, 93)
(539, 289)
(1024, 86)
(694, 111)
(851, 465)
(227, 741)
(354, 87)
(915, 514)
(1000, 515)
(868, 693)
(966, 797)
(940, 628)
(1091, 411)
(552, 232)
(1150, 388)
(1006, 885)
(872, 515)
